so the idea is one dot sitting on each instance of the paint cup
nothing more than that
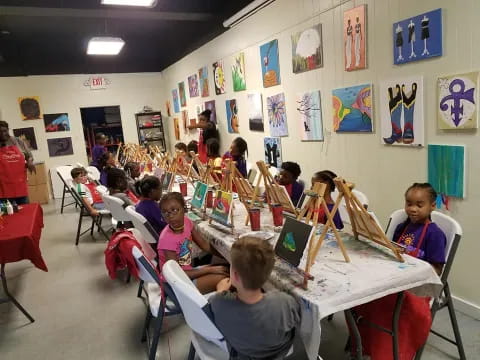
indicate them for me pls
(209, 199)
(183, 188)
(149, 167)
(254, 214)
(277, 211)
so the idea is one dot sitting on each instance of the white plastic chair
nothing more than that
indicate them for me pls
(93, 173)
(206, 339)
(342, 209)
(142, 224)
(115, 205)
(64, 173)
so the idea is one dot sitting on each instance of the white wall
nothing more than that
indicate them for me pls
(382, 172)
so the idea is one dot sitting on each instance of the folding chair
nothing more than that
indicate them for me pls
(93, 173)
(115, 206)
(63, 173)
(342, 209)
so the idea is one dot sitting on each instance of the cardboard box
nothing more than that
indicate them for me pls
(40, 177)
(38, 194)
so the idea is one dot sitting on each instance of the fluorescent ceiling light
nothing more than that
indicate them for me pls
(105, 46)
(147, 3)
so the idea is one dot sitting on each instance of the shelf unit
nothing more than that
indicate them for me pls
(150, 129)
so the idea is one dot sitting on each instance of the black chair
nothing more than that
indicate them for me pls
(63, 173)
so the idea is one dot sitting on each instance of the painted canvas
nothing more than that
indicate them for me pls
(418, 38)
(181, 94)
(193, 85)
(176, 105)
(255, 111)
(238, 73)
(355, 38)
(203, 76)
(273, 151)
(176, 128)
(222, 207)
(199, 195)
(446, 169)
(166, 180)
(219, 77)
(270, 63)
(277, 115)
(310, 116)
(199, 109)
(168, 106)
(185, 120)
(60, 146)
(30, 107)
(458, 101)
(56, 122)
(232, 116)
(27, 135)
(293, 240)
(401, 111)
(307, 49)
(210, 105)
(352, 109)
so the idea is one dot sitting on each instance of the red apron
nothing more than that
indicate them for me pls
(13, 175)
(202, 149)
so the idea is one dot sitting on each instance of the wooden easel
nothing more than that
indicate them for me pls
(226, 185)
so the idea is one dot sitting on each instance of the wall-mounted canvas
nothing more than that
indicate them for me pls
(401, 111)
(255, 111)
(458, 101)
(56, 122)
(219, 77)
(418, 37)
(355, 38)
(292, 240)
(210, 105)
(352, 109)
(168, 106)
(185, 120)
(60, 146)
(307, 49)
(238, 73)
(176, 105)
(222, 207)
(193, 85)
(203, 76)
(273, 151)
(199, 109)
(27, 135)
(30, 107)
(446, 169)
(181, 94)
(270, 63)
(199, 195)
(277, 115)
(176, 128)
(310, 116)
(232, 116)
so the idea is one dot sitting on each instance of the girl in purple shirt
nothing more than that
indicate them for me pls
(326, 177)
(150, 191)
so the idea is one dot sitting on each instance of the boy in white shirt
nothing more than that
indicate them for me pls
(79, 179)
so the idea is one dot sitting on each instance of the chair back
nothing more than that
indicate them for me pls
(115, 205)
(93, 173)
(146, 270)
(396, 218)
(195, 307)
(64, 174)
(342, 208)
(148, 251)
(142, 224)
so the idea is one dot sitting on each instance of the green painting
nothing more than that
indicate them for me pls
(446, 169)
(238, 73)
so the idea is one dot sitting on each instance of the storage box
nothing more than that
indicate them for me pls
(38, 194)
(40, 177)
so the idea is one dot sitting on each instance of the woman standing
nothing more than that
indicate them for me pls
(14, 158)
(208, 130)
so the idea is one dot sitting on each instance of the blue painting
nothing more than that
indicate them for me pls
(418, 38)
(176, 105)
(232, 116)
(446, 169)
(270, 63)
(352, 109)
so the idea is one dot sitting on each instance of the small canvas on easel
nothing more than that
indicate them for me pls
(199, 195)
(166, 181)
(222, 207)
(293, 240)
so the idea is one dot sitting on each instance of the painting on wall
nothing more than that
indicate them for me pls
(185, 120)
(203, 76)
(168, 106)
(232, 116)
(352, 109)
(219, 77)
(458, 101)
(193, 85)
(418, 37)
(222, 207)
(27, 135)
(60, 146)
(56, 122)
(446, 169)
(176, 128)
(255, 111)
(401, 111)
(273, 151)
(199, 109)
(307, 49)
(277, 115)
(310, 116)
(30, 107)
(238, 73)
(181, 94)
(210, 105)
(355, 38)
(270, 63)
(176, 105)
(293, 240)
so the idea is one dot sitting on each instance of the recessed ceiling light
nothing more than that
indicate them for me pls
(105, 46)
(147, 3)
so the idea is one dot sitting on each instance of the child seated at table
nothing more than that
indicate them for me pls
(150, 190)
(191, 146)
(213, 153)
(237, 152)
(132, 170)
(79, 182)
(118, 187)
(326, 177)
(256, 325)
(288, 177)
(175, 243)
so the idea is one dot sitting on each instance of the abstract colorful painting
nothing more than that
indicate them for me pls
(270, 63)
(56, 122)
(60, 146)
(277, 115)
(219, 77)
(199, 195)
(255, 111)
(418, 37)
(273, 151)
(176, 128)
(232, 116)
(446, 169)
(292, 240)
(352, 109)
(168, 106)
(176, 105)
(401, 111)
(210, 105)
(310, 116)
(355, 38)
(185, 120)
(181, 94)
(27, 135)
(193, 85)
(30, 107)
(222, 207)
(203, 76)
(238, 73)
(458, 101)
(307, 49)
